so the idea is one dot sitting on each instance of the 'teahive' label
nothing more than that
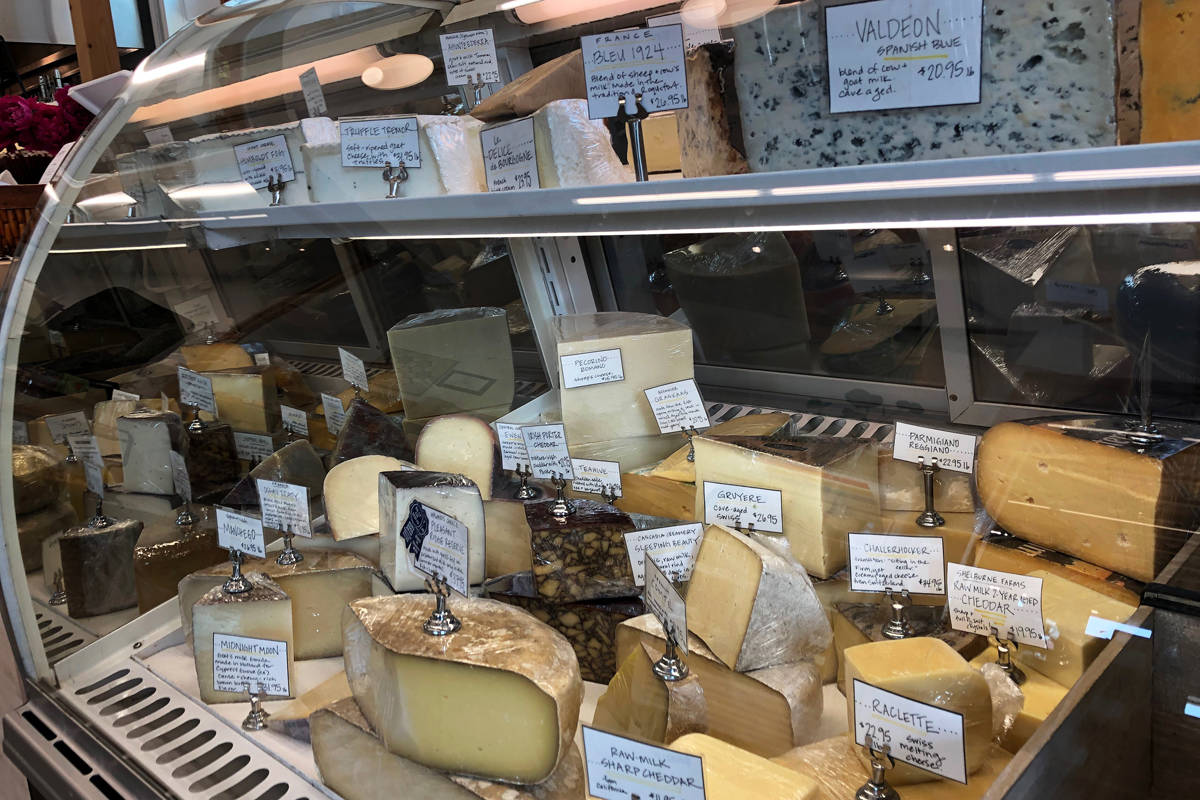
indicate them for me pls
(596, 477)
(742, 506)
(916, 733)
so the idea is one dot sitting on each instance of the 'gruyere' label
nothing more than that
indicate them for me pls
(619, 769)
(986, 601)
(588, 369)
(673, 548)
(244, 662)
(240, 532)
(915, 733)
(547, 449)
(742, 506)
(951, 449)
(284, 506)
(880, 561)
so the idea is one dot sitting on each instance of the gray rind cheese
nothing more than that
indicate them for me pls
(1048, 83)
(97, 565)
(39, 478)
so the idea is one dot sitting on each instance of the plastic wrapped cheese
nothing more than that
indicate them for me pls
(573, 150)
(39, 478)
(167, 551)
(367, 431)
(147, 439)
(295, 463)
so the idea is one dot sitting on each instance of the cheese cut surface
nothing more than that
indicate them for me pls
(292, 719)
(1169, 85)
(440, 700)
(767, 711)
(582, 557)
(264, 612)
(37, 527)
(573, 150)
(641, 705)
(634, 452)
(1127, 511)
(147, 439)
(1041, 696)
(296, 463)
(654, 351)
(750, 606)
(506, 533)
(676, 466)
(901, 487)
(39, 478)
(731, 773)
(97, 565)
(829, 487)
(211, 357)
(658, 497)
(351, 493)
(462, 445)
(957, 535)
(705, 146)
(1066, 608)
(929, 671)
(246, 399)
(1010, 554)
(403, 525)
(862, 622)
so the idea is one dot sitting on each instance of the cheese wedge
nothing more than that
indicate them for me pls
(246, 399)
(39, 478)
(750, 606)
(217, 356)
(573, 150)
(351, 493)
(957, 535)
(147, 440)
(462, 445)
(368, 431)
(506, 533)
(657, 497)
(382, 394)
(731, 773)
(829, 487)
(403, 524)
(641, 705)
(291, 719)
(1041, 696)
(1010, 554)
(859, 623)
(1169, 86)
(97, 566)
(440, 700)
(296, 463)
(902, 487)
(677, 467)
(167, 552)
(582, 557)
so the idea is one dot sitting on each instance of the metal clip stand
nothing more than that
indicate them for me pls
(1005, 649)
(884, 306)
(98, 520)
(185, 516)
(196, 425)
(929, 518)
(474, 94)
(60, 592)
(526, 492)
(441, 622)
(71, 458)
(897, 626)
(1145, 433)
(131, 212)
(210, 337)
(237, 583)
(275, 186)
(609, 494)
(562, 507)
(877, 788)
(637, 143)
(671, 667)
(290, 555)
(256, 720)
(393, 177)
(691, 434)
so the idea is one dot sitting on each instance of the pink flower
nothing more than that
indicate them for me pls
(77, 116)
(16, 115)
(49, 130)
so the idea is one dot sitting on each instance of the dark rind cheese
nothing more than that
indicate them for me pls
(1006, 553)
(97, 567)
(295, 463)
(38, 526)
(167, 552)
(583, 557)
(1162, 302)
(370, 432)
(212, 459)
(39, 478)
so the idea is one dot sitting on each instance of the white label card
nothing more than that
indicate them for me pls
(119, 394)
(510, 156)
(903, 54)
(353, 370)
(953, 451)
(86, 448)
(263, 160)
(241, 661)
(596, 477)
(199, 310)
(284, 506)
(983, 599)
(240, 532)
(512, 445)
(741, 506)
(470, 57)
(93, 475)
(692, 36)
(916, 733)
(379, 141)
(160, 134)
(673, 549)
(1069, 293)
(880, 561)
(645, 60)
(1105, 628)
(335, 415)
(262, 359)
(677, 406)
(314, 97)
(196, 390)
(294, 420)
(180, 477)
(547, 449)
(588, 369)
(20, 431)
(621, 769)
(253, 446)
(664, 601)
(442, 549)
(63, 425)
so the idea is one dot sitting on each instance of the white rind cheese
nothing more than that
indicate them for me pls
(351, 494)
(452, 495)
(573, 150)
(147, 439)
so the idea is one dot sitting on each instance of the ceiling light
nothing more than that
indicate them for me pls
(398, 72)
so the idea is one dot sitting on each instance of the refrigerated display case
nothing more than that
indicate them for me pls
(1015, 270)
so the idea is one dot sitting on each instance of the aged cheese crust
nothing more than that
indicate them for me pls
(97, 567)
(705, 146)
(584, 557)
(296, 463)
(368, 431)
(641, 705)
(39, 478)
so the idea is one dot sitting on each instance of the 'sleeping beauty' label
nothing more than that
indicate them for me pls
(588, 369)
(673, 548)
(242, 663)
(743, 506)
(915, 733)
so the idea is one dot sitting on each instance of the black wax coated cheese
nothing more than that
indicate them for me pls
(370, 432)
(212, 459)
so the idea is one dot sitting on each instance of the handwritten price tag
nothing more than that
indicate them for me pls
(86, 448)
(677, 406)
(547, 448)
(879, 562)
(197, 391)
(335, 415)
(440, 544)
(740, 506)
(259, 161)
(510, 156)
(253, 446)
(512, 445)
(239, 661)
(589, 369)
(294, 420)
(63, 425)
(596, 477)
(645, 60)
(314, 97)
(378, 141)
(620, 768)
(673, 549)
(118, 394)
(665, 602)
(179, 476)
(354, 371)
(983, 599)
(470, 57)
(240, 532)
(916, 733)
(284, 506)
(953, 450)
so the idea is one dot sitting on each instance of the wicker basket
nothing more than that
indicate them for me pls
(16, 213)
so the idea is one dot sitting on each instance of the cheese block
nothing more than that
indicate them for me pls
(351, 493)
(705, 137)
(215, 161)
(451, 163)
(135, 505)
(1168, 85)
(292, 718)
(503, 669)
(750, 606)
(659, 497)
(368, 431)
(1159, 301)
(212, 460)
(452, 360)
(462, 445)
(860, 623)
(319, 587)
(365, 546)
(634, 452)
(567, 782)
(589, 625)
(36, 527)
(929, 671)
(767, 711)
(835, 766)
(404, 525)
(1037, 93)
(382, 394)
(641, 705)
(660, 143)
(1041, 696)
(39, 478)
(902, 488)
(414, 425)
(866, 342)
(1010, 554)
(676, 466)
(654, 351)
(506, 534)
(582, 557)
(147, 439)
(1066, 608)
(573, 150)
(216, 356)
(957, 535)
(246, 399)
(97, 565)
(731, 773)
(558, 78)
(829, 487)
(264, 612)
(167, 552)
(295, 463)
(1076, 486)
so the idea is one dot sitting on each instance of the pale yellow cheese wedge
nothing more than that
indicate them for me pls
(641, 705)
(731, 773)
(506, 538)
(676, 466)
